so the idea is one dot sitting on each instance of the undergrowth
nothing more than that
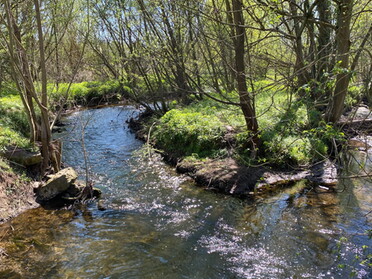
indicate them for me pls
(210, 129)
(86, 93)
(14, 127)
(203, 129)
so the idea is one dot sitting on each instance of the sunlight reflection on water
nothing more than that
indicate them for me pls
(159, 225)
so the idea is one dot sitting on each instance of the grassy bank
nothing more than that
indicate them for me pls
(14, 127)
(210, 129)
(16, 189)
(86, 93)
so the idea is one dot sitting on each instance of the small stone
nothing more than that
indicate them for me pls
(100, 206)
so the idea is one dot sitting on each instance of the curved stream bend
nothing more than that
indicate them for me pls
(159, 226)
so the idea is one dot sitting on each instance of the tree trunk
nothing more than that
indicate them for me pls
(336, 103)
(246, 102)
(20, 71)
(300, 68)
(324, 39)
(45, 129)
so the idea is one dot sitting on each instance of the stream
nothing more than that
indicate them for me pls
(158, 224)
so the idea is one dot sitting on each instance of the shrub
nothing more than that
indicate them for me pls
(199, 130)
(288, 150)
(353, 97)
(7, 89)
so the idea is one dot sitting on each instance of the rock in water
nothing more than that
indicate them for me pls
(75, 188)
(101, 206)
(57, 184)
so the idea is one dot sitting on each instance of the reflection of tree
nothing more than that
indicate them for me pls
(358, 164)
(356, 183)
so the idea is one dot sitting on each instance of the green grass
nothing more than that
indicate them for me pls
(14, 127)
(10, 137)
(85, 93)
(200, 130)
(12, 114)
(188, 132)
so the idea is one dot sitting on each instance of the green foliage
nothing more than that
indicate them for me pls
(354, 96)
(10, 137)
(12, 114)
(8, 89)
(188, 132)
(86, 93)
(325, 132)
(14, 127)
(4, 166)
(282, 137)
(300, 146)
(200, 129)
(289, 149)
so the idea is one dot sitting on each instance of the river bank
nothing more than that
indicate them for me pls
(158, 222)
(16, 193)
(228, 175)
(19, 160)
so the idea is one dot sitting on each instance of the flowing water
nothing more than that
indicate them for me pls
(159, 225)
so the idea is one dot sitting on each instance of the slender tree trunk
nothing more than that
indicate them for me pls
(246, 102)
(56, 42)
(300, 69)
(230, 73)
(45, 129)
(193, 50)
(361, 48)
(324, 39)
(20, 71)
(336, 103)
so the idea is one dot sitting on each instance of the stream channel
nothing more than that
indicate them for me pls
(159, 225)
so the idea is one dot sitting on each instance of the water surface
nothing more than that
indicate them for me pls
(159, 225)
